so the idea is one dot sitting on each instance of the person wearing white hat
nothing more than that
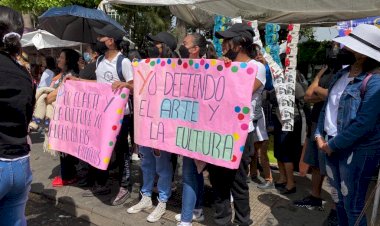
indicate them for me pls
(348, 129)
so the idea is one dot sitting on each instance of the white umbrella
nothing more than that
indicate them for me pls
(42, 39)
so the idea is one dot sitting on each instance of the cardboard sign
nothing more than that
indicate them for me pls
(87, 118)
(197, 108)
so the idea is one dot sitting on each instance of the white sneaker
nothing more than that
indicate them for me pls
(198, 216)
(157, 212)
(184, 224)
(144, 204)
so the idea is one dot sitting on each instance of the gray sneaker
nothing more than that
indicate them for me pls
(121, 197)
(266, 185)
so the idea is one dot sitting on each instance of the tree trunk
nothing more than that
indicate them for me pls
(28, 24)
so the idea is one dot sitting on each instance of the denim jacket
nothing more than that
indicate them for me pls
(358, 121)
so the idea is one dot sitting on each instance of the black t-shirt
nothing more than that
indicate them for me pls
(324, 82)
(17, 99)
(88, 72)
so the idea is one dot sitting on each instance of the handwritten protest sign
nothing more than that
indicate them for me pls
(196, 108)
(87, 118)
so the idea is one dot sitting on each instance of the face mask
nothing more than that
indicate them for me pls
(101, 46)
(86, 57)
(345, 57)
(184, 52)
(231, 54)
(153, 52)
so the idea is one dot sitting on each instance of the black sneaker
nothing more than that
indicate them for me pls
(332, 219)
(311, 203)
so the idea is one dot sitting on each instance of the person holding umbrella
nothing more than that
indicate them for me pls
(114, 68)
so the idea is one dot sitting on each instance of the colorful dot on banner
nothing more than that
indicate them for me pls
(158, 61)
(220, 68)
(213, 62)
(246, 110)
(196, 66)
(243, 65)
(234, 68)
(227, 64)
(106, 160)
(114, 127)
(123, 95)
(250, 71)
(237, 109)
(110, 143)
(169, 61)
(173, 65)
(207, 66)
(242, 148)
(135, 63)
(147, 60)
(202, 62)
(152, 63)
(163, 63)
(244, 126)
(234, 158)
(185, 65)
(119, 111)
(191, 62)
(240, 116)
(236, 136)
(179, 61)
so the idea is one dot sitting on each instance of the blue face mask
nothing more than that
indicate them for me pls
(86, 57)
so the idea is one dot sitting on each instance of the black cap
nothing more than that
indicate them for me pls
(110, 31)
(164, 37)
(236, 30)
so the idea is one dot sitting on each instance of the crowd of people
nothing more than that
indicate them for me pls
(336, 125)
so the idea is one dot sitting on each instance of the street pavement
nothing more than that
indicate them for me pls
(267, 207)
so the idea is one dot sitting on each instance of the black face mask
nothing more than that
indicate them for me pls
(153, 52)
(101, 46)
(231, 54)
(345, 57)
(184, 52)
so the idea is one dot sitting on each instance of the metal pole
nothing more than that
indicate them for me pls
(376, 201)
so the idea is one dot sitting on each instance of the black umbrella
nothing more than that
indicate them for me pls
(76, 23)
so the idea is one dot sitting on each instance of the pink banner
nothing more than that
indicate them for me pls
(87, 118)
(196, 108)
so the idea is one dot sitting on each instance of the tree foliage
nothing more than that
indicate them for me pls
(36, 7)
(143, 20)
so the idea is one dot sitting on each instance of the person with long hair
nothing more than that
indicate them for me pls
(17, 98)
(153, 161)
(48, 65)
(68, 64)
(348, 129)
(237, 46)
(194, 46)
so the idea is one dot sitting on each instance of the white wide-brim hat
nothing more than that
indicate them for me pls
(364, 39)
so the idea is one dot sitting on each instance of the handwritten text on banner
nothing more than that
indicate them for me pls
(87, 118)
(196, 108)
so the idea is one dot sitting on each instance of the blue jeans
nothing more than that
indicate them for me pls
(15, 180)
(192, 193)
(160, 164)
(350, 174)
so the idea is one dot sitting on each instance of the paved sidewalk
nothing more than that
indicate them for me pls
(267, 208)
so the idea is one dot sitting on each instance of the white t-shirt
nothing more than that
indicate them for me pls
(106, 72)
(257, 96)
(331, 115)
